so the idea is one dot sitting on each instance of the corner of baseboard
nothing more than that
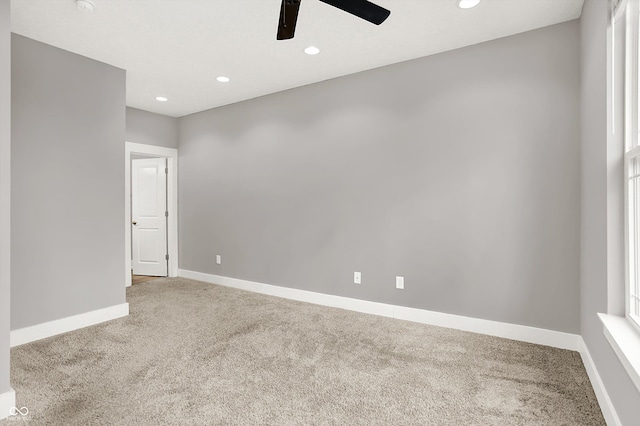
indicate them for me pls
(608, 410)
(7, 402)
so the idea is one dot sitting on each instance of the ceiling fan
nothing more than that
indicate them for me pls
(361, 8)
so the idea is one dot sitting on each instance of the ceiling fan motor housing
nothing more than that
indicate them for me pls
(361, 8)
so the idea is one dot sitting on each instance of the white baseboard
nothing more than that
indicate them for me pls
(52, 328)
(523, 333)
(608, 410)
(7, 401)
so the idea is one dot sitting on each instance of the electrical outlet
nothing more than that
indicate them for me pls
(400, 283)
(218, 259)
(357, 278)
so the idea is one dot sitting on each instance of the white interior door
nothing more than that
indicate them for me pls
(149, 216)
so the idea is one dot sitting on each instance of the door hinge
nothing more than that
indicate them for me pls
(166, 257)
(166, 170)
(166, 214)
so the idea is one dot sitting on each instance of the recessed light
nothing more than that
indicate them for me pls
(223, 79)
(161, 99)
(467, 4)
(311, 50)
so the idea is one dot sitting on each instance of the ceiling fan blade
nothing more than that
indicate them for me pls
(288, 17)
(361, 8)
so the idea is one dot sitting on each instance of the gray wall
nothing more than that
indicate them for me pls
(5, 194)
(67, 197)
(458, 171)
(151, 129)
(594, 256)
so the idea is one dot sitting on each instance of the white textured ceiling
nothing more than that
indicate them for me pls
(177, 48)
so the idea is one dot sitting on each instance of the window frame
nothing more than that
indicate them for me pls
(619, 328)
(630, 10)
(632, 245)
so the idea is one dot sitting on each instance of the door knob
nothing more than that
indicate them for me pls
(134, 222)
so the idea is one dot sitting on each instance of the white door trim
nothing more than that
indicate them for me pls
(171, 154)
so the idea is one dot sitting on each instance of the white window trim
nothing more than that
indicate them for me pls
(628, 156)
(625, 341)
(622, 333)
(631, 143)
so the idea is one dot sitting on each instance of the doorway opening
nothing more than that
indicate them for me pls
(151, 211)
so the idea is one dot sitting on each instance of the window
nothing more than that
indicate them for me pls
(632, 163)
(621, 323)
(630, 13)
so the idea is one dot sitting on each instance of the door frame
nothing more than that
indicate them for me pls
(171, 154)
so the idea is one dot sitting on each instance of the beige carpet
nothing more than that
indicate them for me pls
(195, 353)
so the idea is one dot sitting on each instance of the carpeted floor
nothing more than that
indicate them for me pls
(195, 353)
